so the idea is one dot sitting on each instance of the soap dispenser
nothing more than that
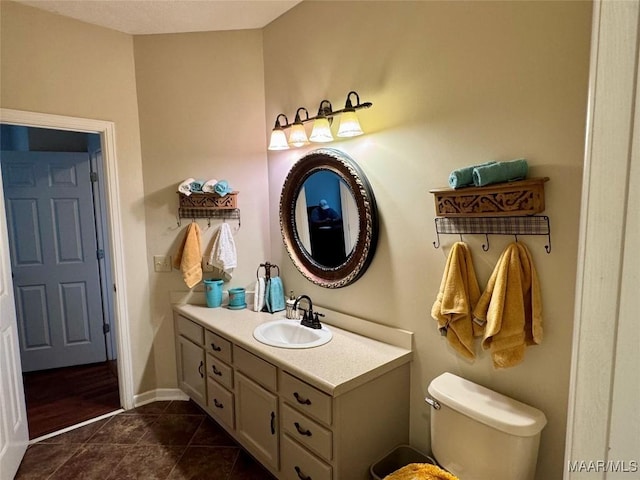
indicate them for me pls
(291, 310)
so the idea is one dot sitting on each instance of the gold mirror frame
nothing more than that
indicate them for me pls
(358, 259)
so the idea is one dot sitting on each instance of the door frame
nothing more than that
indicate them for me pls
(107, 133)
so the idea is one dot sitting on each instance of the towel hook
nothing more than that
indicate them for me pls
(547, 247)
(485, 246)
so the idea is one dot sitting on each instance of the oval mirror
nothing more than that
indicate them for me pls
(328, 218)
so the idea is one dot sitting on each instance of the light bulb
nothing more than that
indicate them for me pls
(321, 130)
(349, 125)
(278, 140)
(298, 135)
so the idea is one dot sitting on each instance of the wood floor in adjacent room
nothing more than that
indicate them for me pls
(62, 397)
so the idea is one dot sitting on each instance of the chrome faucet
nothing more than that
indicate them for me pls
(309, 317)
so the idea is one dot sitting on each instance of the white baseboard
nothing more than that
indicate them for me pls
(159, 394)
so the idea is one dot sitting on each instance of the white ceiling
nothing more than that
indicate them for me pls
(140, 17)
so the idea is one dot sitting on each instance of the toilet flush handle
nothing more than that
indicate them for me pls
(434, 403)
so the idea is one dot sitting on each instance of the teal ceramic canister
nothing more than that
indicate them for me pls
(213, 292)
(237, 298)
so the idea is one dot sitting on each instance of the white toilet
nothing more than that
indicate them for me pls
(479, 434)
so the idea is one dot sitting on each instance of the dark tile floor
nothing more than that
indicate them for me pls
(160, 440)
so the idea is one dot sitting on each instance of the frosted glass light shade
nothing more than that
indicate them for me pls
(349, 125)
(298, 135)
(278, 140)
(321, 131)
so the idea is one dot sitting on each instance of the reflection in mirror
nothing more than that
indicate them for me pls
(328, 218)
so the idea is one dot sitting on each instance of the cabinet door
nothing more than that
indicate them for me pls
(257, 420)
(191, 377)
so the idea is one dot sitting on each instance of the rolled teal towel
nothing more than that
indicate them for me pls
(500, 172)
(196, 186)
(463, 177)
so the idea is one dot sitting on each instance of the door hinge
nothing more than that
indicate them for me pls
(93, 176)
(106, 328)
(100, 253)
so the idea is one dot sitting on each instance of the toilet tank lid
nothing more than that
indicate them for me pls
(486, 406)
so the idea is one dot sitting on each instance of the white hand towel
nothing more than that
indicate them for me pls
(223, 252)
(185, 187)
(258, 296)
(208, 185)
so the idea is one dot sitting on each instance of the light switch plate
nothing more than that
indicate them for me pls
(162, 263)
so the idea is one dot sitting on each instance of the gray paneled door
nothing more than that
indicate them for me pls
(54, 258)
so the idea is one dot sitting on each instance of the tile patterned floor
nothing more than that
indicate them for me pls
(158, 441)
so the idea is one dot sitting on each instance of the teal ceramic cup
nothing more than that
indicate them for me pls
(237, 298)
(213, 292)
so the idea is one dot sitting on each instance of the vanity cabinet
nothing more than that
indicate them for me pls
(295, 428)
(257, 406)
(220, 380)
(190, 359)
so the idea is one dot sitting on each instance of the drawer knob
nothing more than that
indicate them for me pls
(301, 475)
(200, 369)
(217, 403)
(301, 430)
(216, 371)
(303, 401)
(215, 348)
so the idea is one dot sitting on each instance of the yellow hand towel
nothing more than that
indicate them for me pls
(511, 305)
(458, 295)
(188, 258)
(420, 471)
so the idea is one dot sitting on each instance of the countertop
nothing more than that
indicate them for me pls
(346, 362)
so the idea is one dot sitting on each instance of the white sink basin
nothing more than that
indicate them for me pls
(286, 333)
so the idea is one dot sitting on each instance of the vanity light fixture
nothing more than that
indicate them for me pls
(298, 135)
(278, 137)
(349, 124)
(321, 132)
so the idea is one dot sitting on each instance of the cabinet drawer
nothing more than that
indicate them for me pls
(219, 371)
(254, 367)
(306, 398)
(220, 403)
(299, 463)
(307, 432)
(190, 330)
(218, 346)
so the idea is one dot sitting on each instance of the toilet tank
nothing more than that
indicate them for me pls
(479, 434)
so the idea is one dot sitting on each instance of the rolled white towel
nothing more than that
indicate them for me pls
(185, 187)
(208, 185)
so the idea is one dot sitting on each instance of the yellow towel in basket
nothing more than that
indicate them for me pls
(420, 471)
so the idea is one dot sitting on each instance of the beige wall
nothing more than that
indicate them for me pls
(201, 102)
(452, 84)
(51, 64)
